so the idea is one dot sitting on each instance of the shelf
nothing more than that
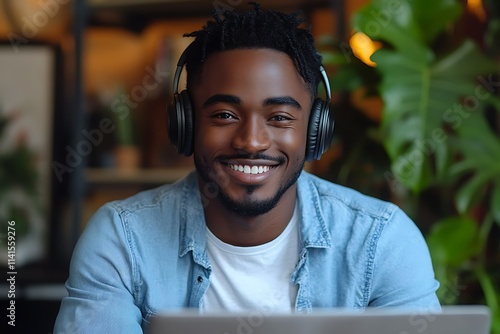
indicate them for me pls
(135, 15)
(149, 176)
(197, 5)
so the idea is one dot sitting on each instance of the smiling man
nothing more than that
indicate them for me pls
(251, 127)
(248, 230)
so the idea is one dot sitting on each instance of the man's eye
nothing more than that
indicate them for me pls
(223, 115)
(279, 118)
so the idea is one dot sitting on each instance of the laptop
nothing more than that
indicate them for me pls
(449, 320)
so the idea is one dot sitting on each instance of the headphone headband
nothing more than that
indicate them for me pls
(326, 83)
(182, 61)
(180, 64)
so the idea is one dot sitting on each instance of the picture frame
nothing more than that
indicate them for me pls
(27, 109)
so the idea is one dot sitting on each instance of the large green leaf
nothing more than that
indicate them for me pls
(453, 241)
(480, 149)
(433, 16)
(420, 100)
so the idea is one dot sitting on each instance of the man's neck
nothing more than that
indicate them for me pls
(239, 230)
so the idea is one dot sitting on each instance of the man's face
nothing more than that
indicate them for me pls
(251, 115)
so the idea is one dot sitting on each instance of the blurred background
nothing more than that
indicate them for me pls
(83, 92)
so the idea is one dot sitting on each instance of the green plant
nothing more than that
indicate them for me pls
(438, 90)
(18, 177)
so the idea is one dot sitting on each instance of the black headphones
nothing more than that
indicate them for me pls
(180, 118)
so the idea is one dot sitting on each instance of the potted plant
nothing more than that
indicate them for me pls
(21, 212)
(439, 130)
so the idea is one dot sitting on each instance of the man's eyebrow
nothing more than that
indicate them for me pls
(221, 98)
(282, 100)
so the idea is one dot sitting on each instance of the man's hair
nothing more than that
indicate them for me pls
(252, 30)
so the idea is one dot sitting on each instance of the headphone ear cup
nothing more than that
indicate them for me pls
(313, 130)
(320, 130)
(180, 123)
(188, 138)
(172, 122)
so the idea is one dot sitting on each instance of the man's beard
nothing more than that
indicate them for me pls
(246, 207)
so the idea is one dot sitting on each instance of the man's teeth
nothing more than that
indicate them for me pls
(250, 170)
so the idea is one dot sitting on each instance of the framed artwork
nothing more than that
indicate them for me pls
(27, 107)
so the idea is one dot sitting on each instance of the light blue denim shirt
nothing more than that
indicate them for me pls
(145, 254)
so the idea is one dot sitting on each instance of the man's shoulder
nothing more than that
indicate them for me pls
(327, 193)
(162, 209)
(350, 217)
(163, 195)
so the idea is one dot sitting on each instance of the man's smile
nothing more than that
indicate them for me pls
(246, 169)
(250, 170)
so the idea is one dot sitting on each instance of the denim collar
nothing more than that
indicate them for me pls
(313, 230)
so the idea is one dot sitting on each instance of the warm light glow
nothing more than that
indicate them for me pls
(476, 8)
(363, 47)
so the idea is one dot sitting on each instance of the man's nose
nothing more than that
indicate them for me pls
(252, 136)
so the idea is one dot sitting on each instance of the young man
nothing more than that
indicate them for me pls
(249, 230)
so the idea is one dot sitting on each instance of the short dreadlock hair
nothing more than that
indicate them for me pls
(256, 29)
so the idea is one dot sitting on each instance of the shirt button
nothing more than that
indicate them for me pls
(200, 279)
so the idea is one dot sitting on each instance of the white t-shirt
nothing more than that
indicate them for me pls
(253, 278)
